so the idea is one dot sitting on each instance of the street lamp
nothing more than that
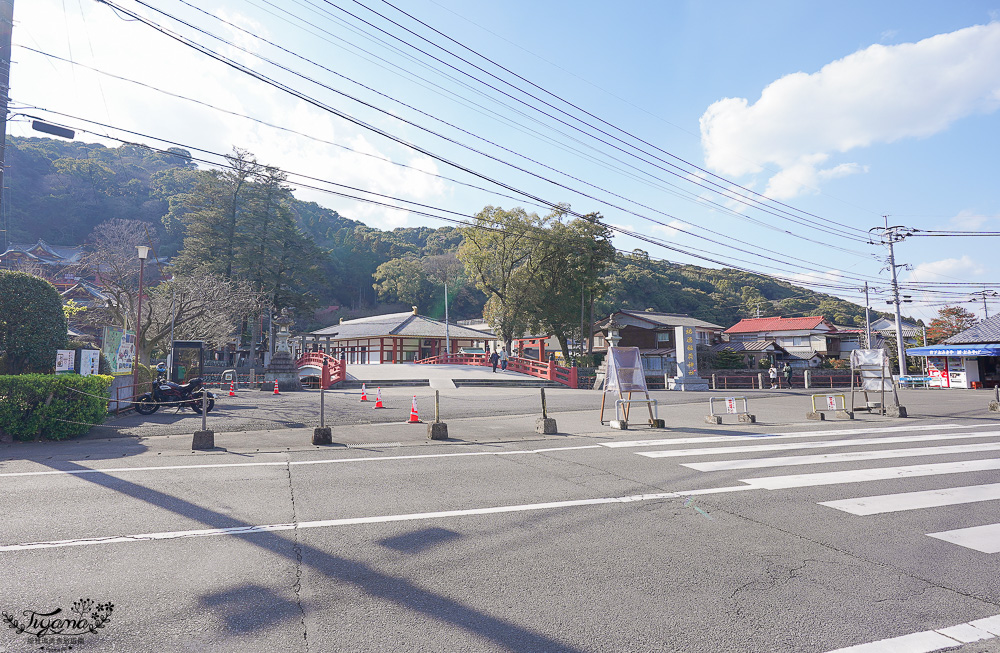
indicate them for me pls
(143, 255)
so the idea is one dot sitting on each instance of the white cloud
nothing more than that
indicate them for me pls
(970, 221)
(877, 95)
(671, 228)
(959, 269)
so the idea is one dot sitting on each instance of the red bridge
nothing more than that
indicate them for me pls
(547, 370)
(330, 370)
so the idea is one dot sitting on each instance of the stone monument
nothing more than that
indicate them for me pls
(687, 362)
(282, 368)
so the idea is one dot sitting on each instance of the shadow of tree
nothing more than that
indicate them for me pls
(388, 588)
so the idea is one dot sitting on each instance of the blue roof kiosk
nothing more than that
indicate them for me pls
(974, 365)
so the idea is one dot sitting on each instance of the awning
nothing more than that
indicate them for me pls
(990, 349)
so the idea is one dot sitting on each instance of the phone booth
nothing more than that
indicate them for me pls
(188, 360)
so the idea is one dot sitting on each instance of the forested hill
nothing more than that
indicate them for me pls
(60, 191)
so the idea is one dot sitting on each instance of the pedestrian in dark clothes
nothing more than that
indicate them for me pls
(788, 374)
(494, 358)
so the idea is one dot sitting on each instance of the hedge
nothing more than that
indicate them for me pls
(50, 406)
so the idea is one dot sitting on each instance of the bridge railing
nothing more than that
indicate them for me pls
(547, 370)
(336, 369)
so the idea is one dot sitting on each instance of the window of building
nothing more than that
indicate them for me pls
(662, 338)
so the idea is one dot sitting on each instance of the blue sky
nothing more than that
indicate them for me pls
(824, 116)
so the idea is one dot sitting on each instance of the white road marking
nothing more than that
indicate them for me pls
(774, 436)
(847, 456)
(916, 500)
(877, 474)
(932, 640)
(787, 446)
(380, 519)
(294, 463)
(980, 538)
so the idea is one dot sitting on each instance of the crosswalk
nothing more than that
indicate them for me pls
(729, 453)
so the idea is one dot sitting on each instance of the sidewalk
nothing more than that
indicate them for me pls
(683, 414)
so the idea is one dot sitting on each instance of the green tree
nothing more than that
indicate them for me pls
(571, 259)
(216, 214)
(950, 320)
(32, 324)
(497, 253)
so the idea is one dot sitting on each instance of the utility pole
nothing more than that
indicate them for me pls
(447, 333)
(984, 294)
(890, 236)
(6, 27)
(868, 320)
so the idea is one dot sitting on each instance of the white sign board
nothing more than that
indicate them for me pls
(65, 359)
(831, 402)
(625, 372)
(90, 361)
(731, 405)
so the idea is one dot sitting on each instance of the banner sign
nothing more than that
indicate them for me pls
(119, 349)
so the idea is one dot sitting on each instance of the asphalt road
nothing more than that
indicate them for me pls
(785, 535)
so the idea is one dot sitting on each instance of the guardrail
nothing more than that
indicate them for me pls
(547, 370)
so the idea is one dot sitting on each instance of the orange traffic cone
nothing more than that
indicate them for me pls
(414, 418)
(378, 399)
(364, 396)
(232, 389)
(276, 387)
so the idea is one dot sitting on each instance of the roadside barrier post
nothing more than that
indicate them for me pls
(807, 379)
(437, 430)
(715, 383)
(732, 407)
(828, 403)
(995, 404)
(203, 439)
(545, 424)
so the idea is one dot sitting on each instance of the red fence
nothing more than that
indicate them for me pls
(547, 370)
(334, 372)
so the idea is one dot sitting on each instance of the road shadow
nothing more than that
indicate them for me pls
(398, 591)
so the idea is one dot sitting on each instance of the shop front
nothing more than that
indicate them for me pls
(961, 366)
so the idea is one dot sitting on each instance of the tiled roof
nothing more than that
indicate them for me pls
(754, 345)
(768, 324)
(663, 319)
(399, 324)
(985, 331)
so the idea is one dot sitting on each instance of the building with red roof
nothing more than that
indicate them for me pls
(807, 340)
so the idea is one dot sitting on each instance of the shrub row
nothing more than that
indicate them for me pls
(51, 406)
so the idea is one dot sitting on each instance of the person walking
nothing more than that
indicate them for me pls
(494, 358)
(773, 374)
(503, 360)
(788, 374)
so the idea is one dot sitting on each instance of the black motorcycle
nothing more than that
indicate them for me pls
(174, 395)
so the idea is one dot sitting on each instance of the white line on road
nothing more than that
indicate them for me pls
(932, 640)
(980, 538)
(847, 456)
(877, 474)
(295, 462)
(878, 505)
(352, 521)
(788, 446)
(775, 436)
